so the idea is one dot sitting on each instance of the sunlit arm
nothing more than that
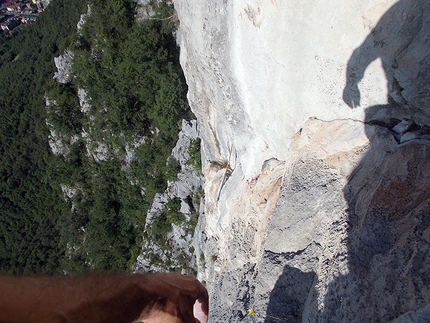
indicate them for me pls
(116, 298)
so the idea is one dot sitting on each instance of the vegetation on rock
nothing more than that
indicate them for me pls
(84, 207)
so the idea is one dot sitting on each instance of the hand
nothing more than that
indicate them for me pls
(182, 299)
(351, 95)
(200, 312)
(105, 298)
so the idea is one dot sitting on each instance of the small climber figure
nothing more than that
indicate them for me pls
(103, 298)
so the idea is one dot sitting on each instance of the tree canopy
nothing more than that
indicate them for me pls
(84, 208)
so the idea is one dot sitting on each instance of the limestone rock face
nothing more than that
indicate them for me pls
(347, 237)
(257, 68)
(63, 63)
(314, 118)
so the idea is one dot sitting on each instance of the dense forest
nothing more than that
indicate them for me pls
(116, 119)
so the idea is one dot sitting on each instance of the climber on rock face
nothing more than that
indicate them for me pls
(104, 298)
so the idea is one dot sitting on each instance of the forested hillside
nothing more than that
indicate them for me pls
(116, 120)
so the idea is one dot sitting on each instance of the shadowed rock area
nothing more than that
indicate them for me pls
(364, 236)
(321, 115)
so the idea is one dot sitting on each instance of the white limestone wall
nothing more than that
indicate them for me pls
(258, 69)
(289, 61)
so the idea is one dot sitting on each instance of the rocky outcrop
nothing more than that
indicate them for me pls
(144, 9)
(183, 244)
(63, 63)
(347, 238)
(314, 119)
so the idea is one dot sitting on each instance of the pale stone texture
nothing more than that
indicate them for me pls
(347, 240)
(257, 68)
(350, 246)
(63, 63)
(335, 226)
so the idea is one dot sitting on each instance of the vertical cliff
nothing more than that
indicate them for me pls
(314, 123)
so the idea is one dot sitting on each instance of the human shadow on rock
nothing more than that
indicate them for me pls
(288, 297)
(401, 42)
(387, 194)
(388, 191)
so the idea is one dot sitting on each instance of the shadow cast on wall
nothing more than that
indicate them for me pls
(388, 193)
(287, 299)
(398, 40)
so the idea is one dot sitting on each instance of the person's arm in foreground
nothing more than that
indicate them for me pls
(116, 298)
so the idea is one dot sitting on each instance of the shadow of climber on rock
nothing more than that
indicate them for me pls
(386, 262)
(288, 297)
(388, 250)
(397, 41)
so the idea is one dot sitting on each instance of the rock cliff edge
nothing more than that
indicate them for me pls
(314, 119)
